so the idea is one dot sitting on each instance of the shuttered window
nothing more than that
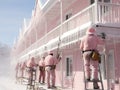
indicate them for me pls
(68, 66)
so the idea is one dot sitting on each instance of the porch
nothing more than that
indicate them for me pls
(72, 29)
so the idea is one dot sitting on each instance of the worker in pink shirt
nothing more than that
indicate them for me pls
(50, 65)
(17, 71)
(23, 66)
(31, 68)
(42, 70)
(88, 44)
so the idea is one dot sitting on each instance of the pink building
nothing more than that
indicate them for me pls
(60, 24)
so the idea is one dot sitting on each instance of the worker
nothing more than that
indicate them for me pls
(17, 71)
(88, 44)
(23, 66)
(50, 65)
(42, 70)
(31, 68)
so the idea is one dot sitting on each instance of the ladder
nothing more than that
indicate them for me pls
(31, 80)
(91, 81)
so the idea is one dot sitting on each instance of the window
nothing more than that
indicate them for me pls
(68, 16)
(110, 67)
(68, 66)
(42, 2)
(92, 1)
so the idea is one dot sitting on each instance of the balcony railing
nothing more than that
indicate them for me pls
(108, 13)
(73, 28)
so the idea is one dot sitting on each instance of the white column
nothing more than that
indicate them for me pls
(46, 30)
(61, 22)
(107, 67)
(96, 11)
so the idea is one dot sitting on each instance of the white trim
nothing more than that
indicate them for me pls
(70, 58)
(55, 40)
(76, 29)
(42, 6)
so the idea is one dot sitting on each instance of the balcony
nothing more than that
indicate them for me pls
(108, 13)
(72, 29)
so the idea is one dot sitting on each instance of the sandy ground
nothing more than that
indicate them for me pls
(7, 83)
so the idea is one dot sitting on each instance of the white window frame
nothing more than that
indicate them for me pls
(69, 66)
(103, 66)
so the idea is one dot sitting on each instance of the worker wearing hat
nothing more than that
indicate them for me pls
(23, 66)
(50, 65)
(17, 68)
(89, 43)
(31, 68)
(42, 70)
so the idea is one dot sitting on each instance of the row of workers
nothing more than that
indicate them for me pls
(88, 45)
(46, 66)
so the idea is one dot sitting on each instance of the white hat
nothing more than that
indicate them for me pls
(91, 31)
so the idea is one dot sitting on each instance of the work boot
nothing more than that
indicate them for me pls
(48, 87)
(87, 79)
(43, 82)
(95, 85)
(95, 80)
(54, 86)
(30, 82)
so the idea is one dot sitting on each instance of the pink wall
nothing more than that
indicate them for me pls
(76, 80)
(115, 1)
(77, 6)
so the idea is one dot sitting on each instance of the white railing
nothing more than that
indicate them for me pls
(75, 21)
(106, 13)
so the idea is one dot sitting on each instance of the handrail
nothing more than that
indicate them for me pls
(74, 20)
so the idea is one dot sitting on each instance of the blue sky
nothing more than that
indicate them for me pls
(12, 13)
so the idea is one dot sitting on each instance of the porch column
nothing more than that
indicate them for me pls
(46, 30)
(96, 11)
(61, 22)
(107, 66)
